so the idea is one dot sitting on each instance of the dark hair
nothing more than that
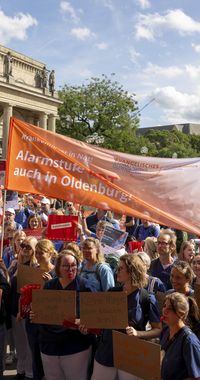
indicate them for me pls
(62, 254)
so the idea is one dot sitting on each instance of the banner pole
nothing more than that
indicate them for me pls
(3, 222)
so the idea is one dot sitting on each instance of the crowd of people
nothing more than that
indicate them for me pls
(163, 264)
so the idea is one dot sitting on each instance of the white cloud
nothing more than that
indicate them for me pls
(107, 4)
(66, 7)
(134, 55)
(196, 47)
(144, 4)
(82, 33)
(148, 26)
(15, 27)
(102, 46)
(193, 71)
(168, 71)
(178, 106)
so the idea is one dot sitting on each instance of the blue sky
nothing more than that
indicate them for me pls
(152, 46)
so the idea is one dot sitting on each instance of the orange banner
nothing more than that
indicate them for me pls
(163, 190)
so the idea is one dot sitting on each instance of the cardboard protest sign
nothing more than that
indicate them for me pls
(54, 306)
(104, 310)
(197, 294)
(43, 162)
(113, 239)
(160, 297)
(136, 356)
(62, 227)
(28, 275)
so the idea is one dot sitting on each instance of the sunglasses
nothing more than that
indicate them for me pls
(69, 205)
(28, 247)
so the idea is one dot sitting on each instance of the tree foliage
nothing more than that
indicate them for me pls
(102, 106)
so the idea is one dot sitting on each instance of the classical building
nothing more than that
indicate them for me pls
(187, 128)
(27, 92)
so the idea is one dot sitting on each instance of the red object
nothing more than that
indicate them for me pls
(62, 227)
(135, 246)
(26, 298)
(69, 324)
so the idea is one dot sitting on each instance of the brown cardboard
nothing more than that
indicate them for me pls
(53, 306)
(104, 310)
(136, 356)
(28, 275)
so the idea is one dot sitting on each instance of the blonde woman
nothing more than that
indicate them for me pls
(11, 253)
(26, 256)
(187, 251)
(97, 274)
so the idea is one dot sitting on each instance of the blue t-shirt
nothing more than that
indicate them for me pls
(141, 233)
(98, 278)
(155, 285)
(136, 318)
(182, 355)
(157, 270)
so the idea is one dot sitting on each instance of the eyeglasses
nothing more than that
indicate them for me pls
(196, 262)
(69, 268)
(28, 247)
(164, 243)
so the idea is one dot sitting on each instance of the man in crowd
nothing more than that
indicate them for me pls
(146, 229)
(161, 267)
(10, 217)
(100, 214)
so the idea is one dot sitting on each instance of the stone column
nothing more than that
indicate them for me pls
(43, 120)
(52, 123)
(7, 114)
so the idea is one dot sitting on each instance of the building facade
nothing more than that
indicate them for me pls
(187, 128)
(27, 92)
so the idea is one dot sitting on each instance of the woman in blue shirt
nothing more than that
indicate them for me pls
(141, 309)
(181, 347)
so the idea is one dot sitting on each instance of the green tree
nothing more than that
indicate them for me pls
(102, 106)
(166, 143)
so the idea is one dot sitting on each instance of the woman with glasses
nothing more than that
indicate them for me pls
(142, 308)
(65, 352)
(97, 274)
(27, 257)
(11, 253)
(180, 345)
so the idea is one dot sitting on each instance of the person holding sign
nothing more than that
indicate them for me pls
(180, 345)
(65, 352)
(97, 274)
(142, 308)
(24, 361)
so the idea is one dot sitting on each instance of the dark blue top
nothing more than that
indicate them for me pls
(58, 340)
(182, 355)
(157, 270)
(155, 285)
(104, 353)
(141, 232)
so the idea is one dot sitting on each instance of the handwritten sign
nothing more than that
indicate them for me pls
(136, 356)
(53, 306)
(28, 275)
(104, 310)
